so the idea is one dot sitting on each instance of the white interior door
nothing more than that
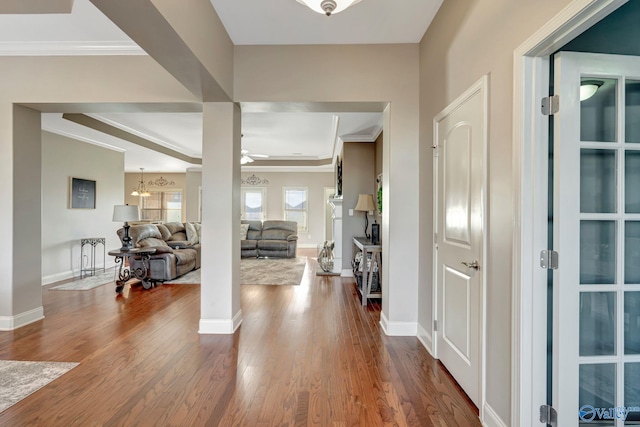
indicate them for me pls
(459, 171)
(596, 308)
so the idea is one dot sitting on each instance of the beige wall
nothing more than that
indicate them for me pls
(466, 41)
(348, 73)
(358, 177)
(56, 84)
(62, 227)
(194, 188)
(200, 27)
(153, 181)
(314, 181)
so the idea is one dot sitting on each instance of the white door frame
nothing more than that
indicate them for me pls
(530, 173)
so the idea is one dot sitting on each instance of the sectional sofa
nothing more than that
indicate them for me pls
(269, 238)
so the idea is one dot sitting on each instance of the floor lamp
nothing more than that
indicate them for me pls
(365, 204)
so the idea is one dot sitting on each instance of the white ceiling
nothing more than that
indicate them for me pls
(290, 135)
(289, 22)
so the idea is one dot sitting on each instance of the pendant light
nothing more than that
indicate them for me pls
(142, 188)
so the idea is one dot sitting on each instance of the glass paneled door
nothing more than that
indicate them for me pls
(596, 326)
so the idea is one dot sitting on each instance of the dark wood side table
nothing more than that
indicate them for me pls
(124, 275)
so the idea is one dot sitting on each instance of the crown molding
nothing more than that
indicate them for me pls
(83, 139)
(144, 135)
(363, 137)
(276, 169)
(69, 48)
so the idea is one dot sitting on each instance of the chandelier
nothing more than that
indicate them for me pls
(142, 189)
(328, 7)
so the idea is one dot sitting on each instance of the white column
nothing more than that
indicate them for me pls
(220, 284)
(336, 205)
(21, 263)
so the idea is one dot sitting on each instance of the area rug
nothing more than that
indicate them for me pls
(87, 283)
(262, 271)
(19, 379)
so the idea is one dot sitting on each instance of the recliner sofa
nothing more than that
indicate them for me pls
(270, 238)
(177, 248)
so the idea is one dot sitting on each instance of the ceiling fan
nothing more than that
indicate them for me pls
(245, 157)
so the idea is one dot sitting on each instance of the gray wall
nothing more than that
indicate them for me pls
(62, 227)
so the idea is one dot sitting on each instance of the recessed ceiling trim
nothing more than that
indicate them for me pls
(139, 133)
(290, 163)
(70, 48)
(365, 137)
(276, 169)
(84, 139)
(99, 126)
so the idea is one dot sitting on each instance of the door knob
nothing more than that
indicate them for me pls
(472, 265)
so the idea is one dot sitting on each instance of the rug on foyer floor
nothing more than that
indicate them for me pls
(90, 282)
(260, 271)
(19, 379)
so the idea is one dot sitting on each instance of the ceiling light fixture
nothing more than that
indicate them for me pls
(588, 88)
(142, 189)
(245, 158)
(328, 7)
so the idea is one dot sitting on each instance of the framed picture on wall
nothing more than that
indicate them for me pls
(82, 193)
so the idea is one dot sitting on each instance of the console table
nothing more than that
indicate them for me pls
(91, 269)
(363, 244)
(139, 273)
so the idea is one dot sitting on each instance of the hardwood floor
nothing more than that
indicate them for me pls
(304, 355)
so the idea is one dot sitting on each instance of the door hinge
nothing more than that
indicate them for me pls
(548, 415)
(435, 325)
(549, 260)
(550, 105)
(436, 151)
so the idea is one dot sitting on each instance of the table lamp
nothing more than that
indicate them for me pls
(125, 213)
(365, 204)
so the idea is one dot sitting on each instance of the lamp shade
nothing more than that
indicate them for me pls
(328, 7)
(125, 213)
(365, 203)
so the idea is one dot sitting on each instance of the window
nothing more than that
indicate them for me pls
(165, 206)
(254, 203)
(295, 206)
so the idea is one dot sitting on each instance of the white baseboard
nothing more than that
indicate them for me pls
(69, 274)
(426, 339)
(490, 418)
(9, 323)
(220, 326)
(398, 329)
(347, 272)
(52, 278)
(307, 245)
